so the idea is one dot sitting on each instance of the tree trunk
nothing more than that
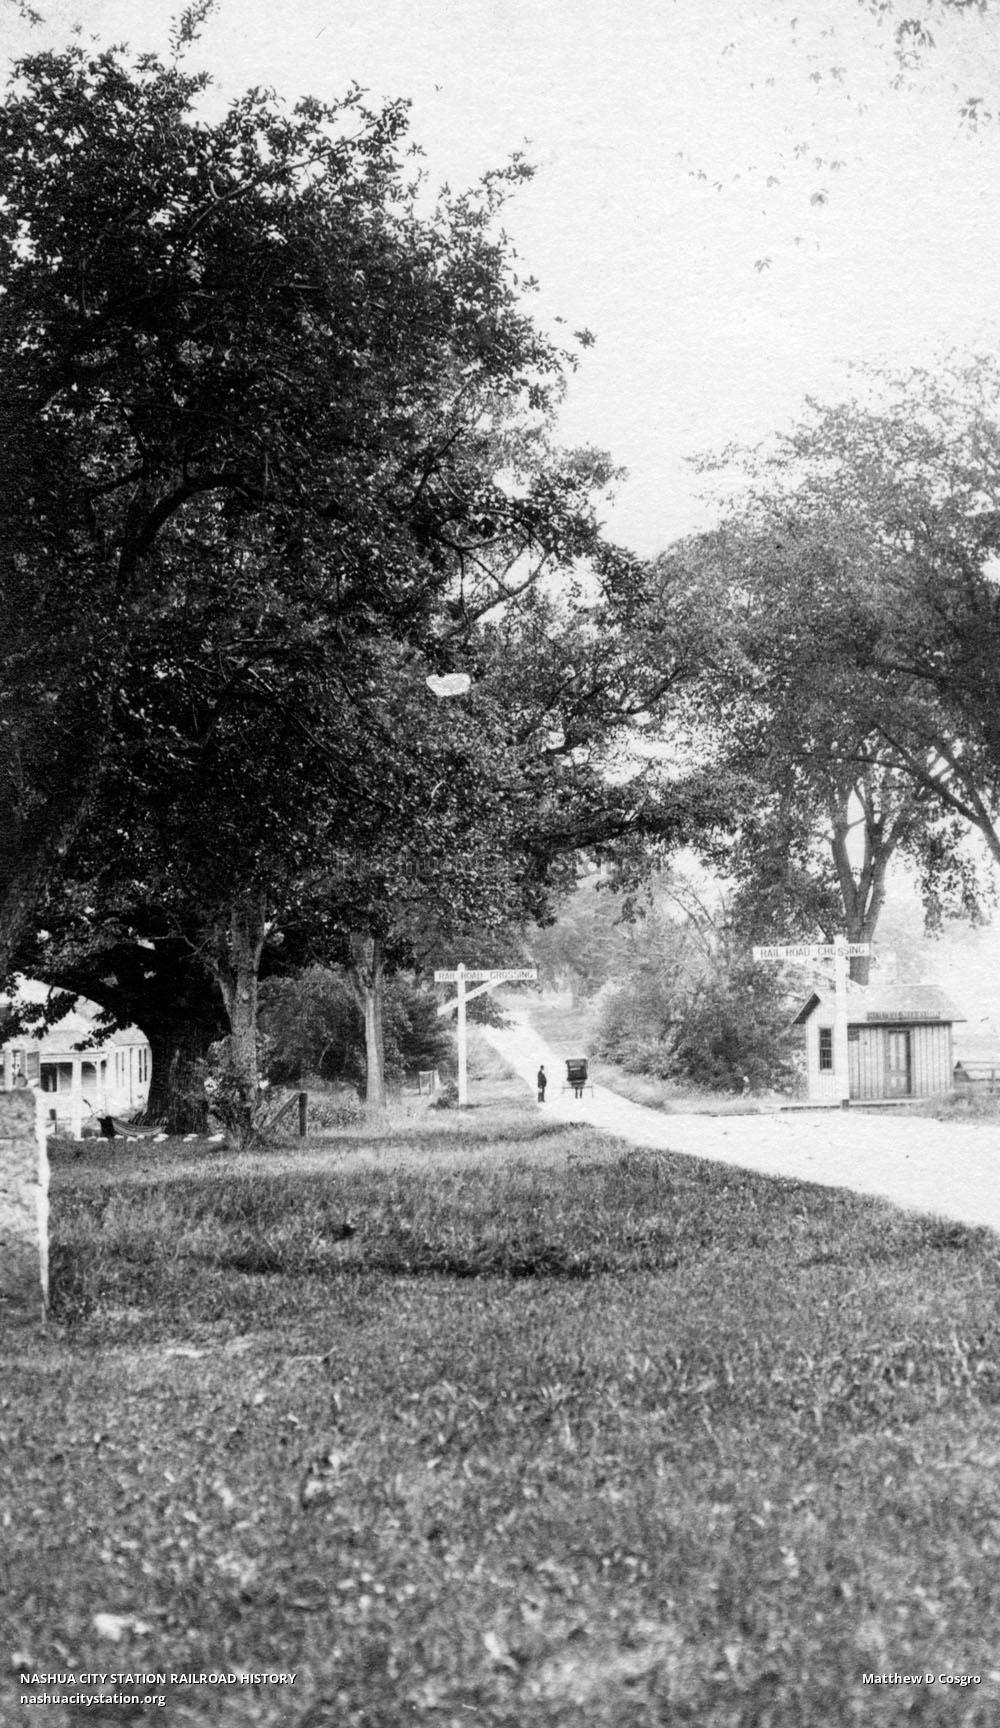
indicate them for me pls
(176, 1097)
(862, 888)
(16, 911)
(236, 963)
(368, 979)
(237, 968)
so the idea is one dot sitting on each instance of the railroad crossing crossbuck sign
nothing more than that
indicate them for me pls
(840, 952)
(812, 950)
(484, 980)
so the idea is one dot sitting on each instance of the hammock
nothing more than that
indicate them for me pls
(111, 1127)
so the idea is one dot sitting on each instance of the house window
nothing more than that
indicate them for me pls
(826, 1049)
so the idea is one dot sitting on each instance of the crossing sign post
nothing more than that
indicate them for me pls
(840, 952)
(484, 980)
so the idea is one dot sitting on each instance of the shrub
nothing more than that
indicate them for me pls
(313, 1025)
(716, 1031)
(447, 1097)
(339, 1111)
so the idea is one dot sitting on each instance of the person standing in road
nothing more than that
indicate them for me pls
(542, 1083)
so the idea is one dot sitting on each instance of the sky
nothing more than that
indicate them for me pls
(739, 225)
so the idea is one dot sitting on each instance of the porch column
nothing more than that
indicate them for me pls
(76, 1101)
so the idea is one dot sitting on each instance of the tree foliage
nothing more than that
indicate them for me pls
(312, 1026)
(249, 389)
(852, 686)
(692, 1008)
(280, 439)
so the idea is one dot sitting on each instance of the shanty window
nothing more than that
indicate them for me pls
(826, 1049)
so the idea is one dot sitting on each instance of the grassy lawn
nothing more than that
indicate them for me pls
(962, 1106)
(562, 1433)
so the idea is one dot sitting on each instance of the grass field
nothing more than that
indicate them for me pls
(561, 1434)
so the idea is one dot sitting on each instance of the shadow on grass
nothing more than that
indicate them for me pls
(487, 1260)
(227, 1243)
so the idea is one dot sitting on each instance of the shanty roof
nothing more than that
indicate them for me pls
(895, 1003)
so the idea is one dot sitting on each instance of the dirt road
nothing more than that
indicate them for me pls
(949, 1169)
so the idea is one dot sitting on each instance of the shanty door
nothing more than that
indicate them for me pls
(897, 1064)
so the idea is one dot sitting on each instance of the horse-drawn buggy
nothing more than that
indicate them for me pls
(576, 1074)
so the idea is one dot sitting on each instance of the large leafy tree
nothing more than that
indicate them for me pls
(269, 432)
(907, 496)
(852, 683)
(822, 804)
(231, 348)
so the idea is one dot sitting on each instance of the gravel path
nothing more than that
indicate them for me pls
(925, 1166)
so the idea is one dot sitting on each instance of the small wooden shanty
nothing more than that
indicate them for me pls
(899, 1042)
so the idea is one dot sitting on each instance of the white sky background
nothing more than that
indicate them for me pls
(622, 108)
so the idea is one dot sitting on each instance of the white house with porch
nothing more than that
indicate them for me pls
(77, 1085)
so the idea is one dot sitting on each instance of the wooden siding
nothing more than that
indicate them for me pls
(930, 1060)
(868, 1079)
(822, 1082)
(868, 1059)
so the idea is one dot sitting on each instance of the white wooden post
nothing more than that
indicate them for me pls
(463, 1043)
(76, 1101)
(486, 980)
(840, 1058)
